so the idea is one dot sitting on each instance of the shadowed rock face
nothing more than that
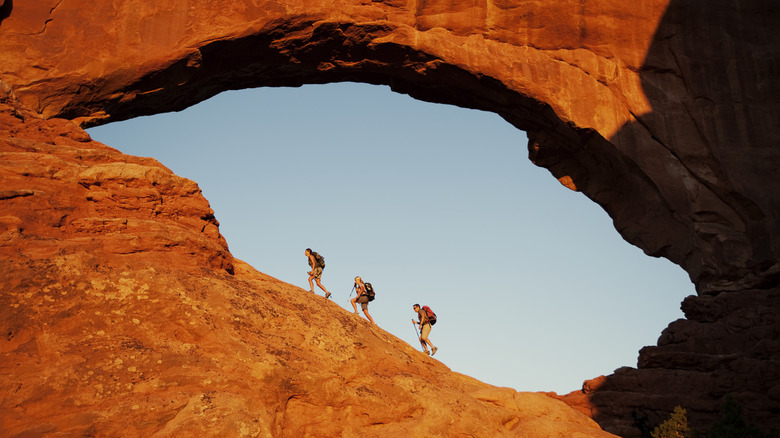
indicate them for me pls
(664, 113)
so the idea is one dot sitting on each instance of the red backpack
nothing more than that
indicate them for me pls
(431, 315)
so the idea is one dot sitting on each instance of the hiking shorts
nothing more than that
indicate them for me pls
(316, 272)
(426, 329)
(363, 300)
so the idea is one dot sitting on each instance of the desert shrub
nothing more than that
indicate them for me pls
(674, 427)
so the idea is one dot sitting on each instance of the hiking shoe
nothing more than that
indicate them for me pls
(433, 350)
(427, 352)
(327, 295)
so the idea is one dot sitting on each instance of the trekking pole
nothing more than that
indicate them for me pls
(350, 292)
(419, 336)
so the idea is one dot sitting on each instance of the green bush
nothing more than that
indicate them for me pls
(675, 427)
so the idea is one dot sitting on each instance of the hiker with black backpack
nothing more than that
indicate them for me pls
(317, 263)
(427, 319)
(365, 293)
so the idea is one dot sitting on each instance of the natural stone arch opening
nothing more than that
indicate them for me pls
(581, 157)
(539, 304)
(322, 52)
(601, 94)
(587, 116)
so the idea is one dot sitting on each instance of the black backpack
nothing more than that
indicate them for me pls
(320, 259)
(369, 291)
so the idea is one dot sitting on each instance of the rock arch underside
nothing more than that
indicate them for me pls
(124, 313)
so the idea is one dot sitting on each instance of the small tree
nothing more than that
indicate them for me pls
(675, 427)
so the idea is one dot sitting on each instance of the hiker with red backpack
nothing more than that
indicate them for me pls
(317, 263)
(365, 293)
(427, 319)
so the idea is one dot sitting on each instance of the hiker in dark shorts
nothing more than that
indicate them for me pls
(315, 273)
(425, 329)
(361, 298)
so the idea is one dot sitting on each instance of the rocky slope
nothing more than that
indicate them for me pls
(664, 112)
(123, 314)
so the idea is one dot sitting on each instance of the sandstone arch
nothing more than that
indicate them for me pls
(600, 90)
(665, 113)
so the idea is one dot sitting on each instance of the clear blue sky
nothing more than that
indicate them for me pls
(432, 204)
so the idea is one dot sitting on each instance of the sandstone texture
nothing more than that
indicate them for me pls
(664, 112)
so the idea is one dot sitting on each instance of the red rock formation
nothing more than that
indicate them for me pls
(61, 191)
(663, 112)
(123, 314)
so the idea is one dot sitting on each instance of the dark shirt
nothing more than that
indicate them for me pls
(423, 315)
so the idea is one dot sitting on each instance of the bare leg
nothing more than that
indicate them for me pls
(354, 305)
(327, 294)
(365, 312)
(424, 337)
